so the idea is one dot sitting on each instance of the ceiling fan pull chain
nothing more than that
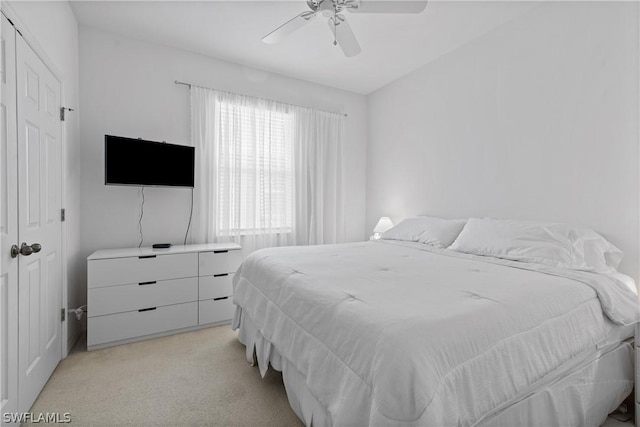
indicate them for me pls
(335, 26)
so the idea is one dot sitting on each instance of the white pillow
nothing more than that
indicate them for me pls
(436, 232)
(598, 252)
(559, 245)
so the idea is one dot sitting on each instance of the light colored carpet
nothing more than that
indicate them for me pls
(194, 378)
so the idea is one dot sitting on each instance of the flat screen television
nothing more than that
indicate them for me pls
(130, 161)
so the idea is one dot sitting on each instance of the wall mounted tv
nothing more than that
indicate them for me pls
(130, 161)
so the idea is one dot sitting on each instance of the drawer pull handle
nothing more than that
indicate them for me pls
(146, 256)
(147, 283)
(220, 275)
(221, 298)
(220, 252)
(146, 309)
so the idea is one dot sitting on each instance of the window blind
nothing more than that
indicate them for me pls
(255, 170)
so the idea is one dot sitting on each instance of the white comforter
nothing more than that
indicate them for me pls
(390, 334)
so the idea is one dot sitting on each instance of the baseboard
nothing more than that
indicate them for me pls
(157, 335)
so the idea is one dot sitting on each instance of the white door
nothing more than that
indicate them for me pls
(8, 222)
(39, 200)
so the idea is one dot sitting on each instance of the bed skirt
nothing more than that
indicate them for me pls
(583, 397)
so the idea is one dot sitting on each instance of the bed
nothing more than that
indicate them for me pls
(397, 332)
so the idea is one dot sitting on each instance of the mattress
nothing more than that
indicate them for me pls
(407, 335)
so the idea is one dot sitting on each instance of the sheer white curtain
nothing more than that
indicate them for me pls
(319, 177)
(267, 173)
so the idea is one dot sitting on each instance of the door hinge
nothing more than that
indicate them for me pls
(62, 109)
(63, 214)
(63, 314)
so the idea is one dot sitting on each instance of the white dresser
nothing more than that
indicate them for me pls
(141, 293)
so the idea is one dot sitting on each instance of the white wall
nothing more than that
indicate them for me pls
(127, 89)
(52, 30)
(537, 119)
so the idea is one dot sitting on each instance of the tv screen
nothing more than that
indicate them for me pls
(130, 161)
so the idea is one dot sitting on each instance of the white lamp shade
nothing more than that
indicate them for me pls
(383, 225)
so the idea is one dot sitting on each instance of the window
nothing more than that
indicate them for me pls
(267, 173)
(254, 170)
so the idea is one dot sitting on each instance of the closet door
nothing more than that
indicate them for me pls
(39, 225)
(8, 222)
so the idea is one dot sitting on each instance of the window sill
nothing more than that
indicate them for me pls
(254, 232)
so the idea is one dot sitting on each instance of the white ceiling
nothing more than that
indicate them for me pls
(392, 45)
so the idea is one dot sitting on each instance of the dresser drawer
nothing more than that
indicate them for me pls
(122, 326)
(122, 271)
(118, 299)
(215, 286)
(212, 311)
(219, 262)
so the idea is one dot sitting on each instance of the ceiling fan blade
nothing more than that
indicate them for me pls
(344, 36)
(389, 6)
(288, 27)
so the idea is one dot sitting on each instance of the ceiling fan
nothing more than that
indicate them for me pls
(338, 24)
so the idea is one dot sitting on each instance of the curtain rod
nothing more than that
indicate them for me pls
(178, 82)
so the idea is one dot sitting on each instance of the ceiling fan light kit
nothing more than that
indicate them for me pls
(338, 24)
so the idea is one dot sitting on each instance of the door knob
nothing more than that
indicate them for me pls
(27, 250)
